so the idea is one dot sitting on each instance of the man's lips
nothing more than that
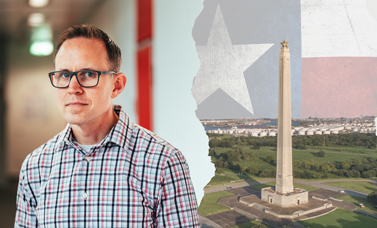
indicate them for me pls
(73, 104)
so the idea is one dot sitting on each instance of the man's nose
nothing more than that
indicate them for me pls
(74, 86)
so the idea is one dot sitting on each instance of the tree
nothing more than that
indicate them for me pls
(357, 162)
(372, 197)
(301, 147)
(270, 159)
(321, 153)
(252, 170)
(256, 147)
(325, 168)
(227, 144)
(345, 165)
(214, 143)
(356, 173)
(260, 226)
(233, 155)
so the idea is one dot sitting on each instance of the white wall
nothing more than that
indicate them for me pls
(175, 64)
(117, 19)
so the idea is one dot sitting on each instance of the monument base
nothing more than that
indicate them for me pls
(291, 199)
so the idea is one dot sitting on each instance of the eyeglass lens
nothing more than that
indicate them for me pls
(86, 78)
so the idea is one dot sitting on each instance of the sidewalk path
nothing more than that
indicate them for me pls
(318, 184)
(235, 185)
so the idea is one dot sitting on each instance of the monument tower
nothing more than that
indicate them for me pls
(284, 178)
(284, 194)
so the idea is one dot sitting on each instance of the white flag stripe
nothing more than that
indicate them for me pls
(337, 28)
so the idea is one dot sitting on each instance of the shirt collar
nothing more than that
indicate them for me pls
(120, 134)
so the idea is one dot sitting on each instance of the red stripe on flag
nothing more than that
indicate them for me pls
(339, 87)
(144, 87)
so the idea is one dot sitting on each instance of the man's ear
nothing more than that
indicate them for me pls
(119, 82)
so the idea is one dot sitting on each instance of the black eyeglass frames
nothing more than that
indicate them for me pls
(86, 78)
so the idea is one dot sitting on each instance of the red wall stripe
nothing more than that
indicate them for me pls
(144, 87)
(144, 26)
(144, 20)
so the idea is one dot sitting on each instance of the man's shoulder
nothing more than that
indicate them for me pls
(154, 143)
(44, 151)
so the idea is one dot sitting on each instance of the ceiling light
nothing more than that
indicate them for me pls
(38, 3)
(36, 19)
(41, 48)
(41, 40)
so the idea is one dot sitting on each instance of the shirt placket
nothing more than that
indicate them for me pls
(83, 190)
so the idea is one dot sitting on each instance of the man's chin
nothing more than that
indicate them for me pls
(75, 120)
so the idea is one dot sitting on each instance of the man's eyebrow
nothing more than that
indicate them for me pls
(65, 69)
(87, 68)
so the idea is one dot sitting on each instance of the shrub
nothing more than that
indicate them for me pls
(260, 226)
(301, 147)
(372, 197)
(321, 153)
(270, 159)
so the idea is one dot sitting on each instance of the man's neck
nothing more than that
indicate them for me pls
(93, 133)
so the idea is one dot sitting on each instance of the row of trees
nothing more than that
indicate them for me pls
(299, 141)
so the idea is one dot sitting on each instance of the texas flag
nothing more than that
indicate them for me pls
(333, 46)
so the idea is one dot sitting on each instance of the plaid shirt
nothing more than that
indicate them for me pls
(132, 178)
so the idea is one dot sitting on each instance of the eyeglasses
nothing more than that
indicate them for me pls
(86, 78)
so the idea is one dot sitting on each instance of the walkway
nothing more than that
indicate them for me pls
(318, 184)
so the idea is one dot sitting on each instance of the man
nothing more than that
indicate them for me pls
(101, 170)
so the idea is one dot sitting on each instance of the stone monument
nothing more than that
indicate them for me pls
(284, 194)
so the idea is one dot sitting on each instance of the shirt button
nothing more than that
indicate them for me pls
(85, 196)
(88, 158)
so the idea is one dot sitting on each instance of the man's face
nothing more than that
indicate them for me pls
(78, 105)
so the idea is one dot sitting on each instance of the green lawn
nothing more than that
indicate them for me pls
(365, 187)
(369, 206)
(209, 203)
(270, 184)
(250, 224)
(339, 154)
(342, 219)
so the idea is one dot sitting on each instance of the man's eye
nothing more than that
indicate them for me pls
(64, 75)
(89, 74)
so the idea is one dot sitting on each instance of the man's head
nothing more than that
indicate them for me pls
(82, 106)
(91, 32)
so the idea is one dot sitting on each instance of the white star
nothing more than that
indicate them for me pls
(222, 65)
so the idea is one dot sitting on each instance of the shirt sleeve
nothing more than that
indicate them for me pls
(178, 207)
(26, 204)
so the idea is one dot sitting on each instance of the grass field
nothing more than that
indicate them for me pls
(258, 160)
(332, 154)
(369, 206)
(342, 219)
(270, 184)
(250, 224)
(209, 203)
(365, 187)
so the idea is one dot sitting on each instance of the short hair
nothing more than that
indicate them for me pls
(92, 32)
